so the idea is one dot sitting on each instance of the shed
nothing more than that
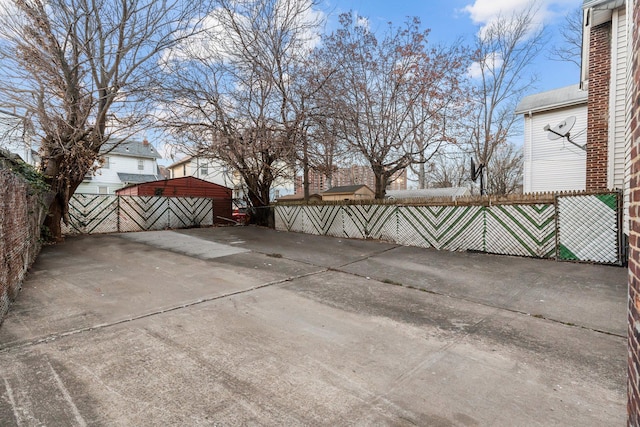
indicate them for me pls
(348, 192)
(187, 186)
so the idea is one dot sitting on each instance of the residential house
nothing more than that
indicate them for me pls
(215, 171)
(123, 163)
(604, 75)
(551, 162)
(348, 192)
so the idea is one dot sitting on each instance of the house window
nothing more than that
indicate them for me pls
(103, 190)
(204, 170)
(105, 162)
(140, 165)
(184, 170)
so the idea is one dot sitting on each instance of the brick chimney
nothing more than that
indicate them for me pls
(598, 107)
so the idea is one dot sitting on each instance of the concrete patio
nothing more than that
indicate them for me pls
(249, 326)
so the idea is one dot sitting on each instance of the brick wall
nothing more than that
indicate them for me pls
(598, 107)
(633, 403)
(21, 213)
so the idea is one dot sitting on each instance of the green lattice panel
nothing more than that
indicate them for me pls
(526, 230)
(92, 213)
(442, 227)
(588, 228)
(141, 213)
(189, 212)
(323, 220)
(370, 221)
(290, 218)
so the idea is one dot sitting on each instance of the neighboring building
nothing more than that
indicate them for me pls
(186, 187)
(604, 76)
(348, 192)
(217, 172)
(353, 175)
(552, 163)
(429, 193)
(313, 198)
(204, 168)
(123, 163)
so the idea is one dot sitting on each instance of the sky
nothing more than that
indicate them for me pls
(454, 20)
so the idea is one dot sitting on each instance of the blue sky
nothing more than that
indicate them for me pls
(451, 20)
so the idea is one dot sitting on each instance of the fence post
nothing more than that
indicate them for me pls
(118, 212)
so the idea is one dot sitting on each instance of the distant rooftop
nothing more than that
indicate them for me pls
(558, 98)
(344, 189)
(429, 193)
(131, 178)
(131, 147)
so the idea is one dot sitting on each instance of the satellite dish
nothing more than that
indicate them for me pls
(562, 129)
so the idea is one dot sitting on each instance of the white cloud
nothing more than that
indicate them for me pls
(484, 12)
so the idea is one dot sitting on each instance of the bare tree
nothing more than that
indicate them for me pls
(234, 92)
(386, 89)
(506, 170)
(78, 69)
(448, 168)
(504, 50)
(570, 48)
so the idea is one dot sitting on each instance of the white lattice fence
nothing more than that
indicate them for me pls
(442, 227)
(324, 220)
(370, 221)
(526, 230)
(290, 218)
(90, 214)
(107, 214)
(588, 228)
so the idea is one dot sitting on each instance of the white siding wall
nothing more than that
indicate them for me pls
(617, 116)
(554, 165)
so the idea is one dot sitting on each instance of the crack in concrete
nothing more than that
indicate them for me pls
(16, 345)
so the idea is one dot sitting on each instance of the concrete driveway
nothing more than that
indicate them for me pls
(249, 326)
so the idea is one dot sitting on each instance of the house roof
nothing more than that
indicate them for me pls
(429, 193)
(179, 162)
(602, 4)
(346, 189)
(297, 197)
(137, 178)
(131, 147)
(552, 99)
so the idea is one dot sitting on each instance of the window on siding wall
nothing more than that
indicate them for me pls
(204, 170)
(103, 190)
(105, 163)
(140, 165)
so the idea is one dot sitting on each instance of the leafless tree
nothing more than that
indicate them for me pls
(448, 168)
(234, 93)
(504, 50)
(506, 170)
(570, 48)
(386, 89)
(78, 69)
